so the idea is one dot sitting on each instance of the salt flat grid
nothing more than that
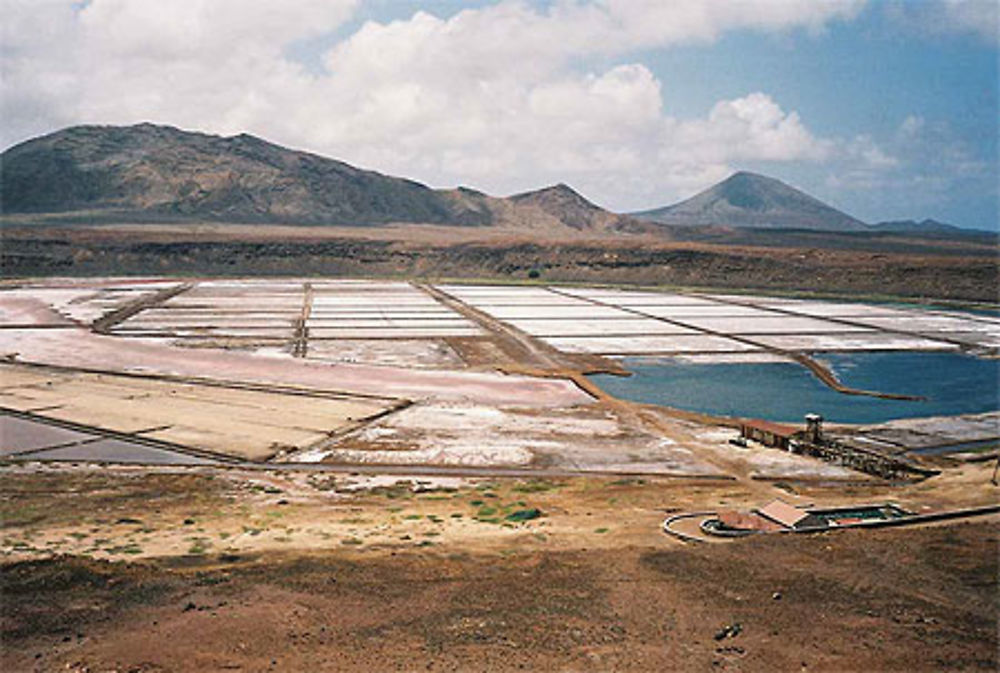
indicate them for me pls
(584, 319)
(630, 299)
(429, 314)
(585, 327)
(989, 340)
(577, 325)
(930, 323)
(262, 309)
(236, 283)
(452, 288)
(201, 331)
(508, 294)
(704, 311)
(388, 322)
(154, 315)
(237, 421)
(927, 325)
(837, 310)
(214, 322)
(518, 299)
(979, 317)
(382, 311)
(393, 333)
(362, 284)
(634, 345)
(86, 304)
(137, 285)
(246, 305)
(748, 297)
(589, 320)
(851, 342)
(770, 325)
(321, 304)
(579, 312)
(498, 301)
(383, 315)
(260, 300)
(269, 309)
(242, 306)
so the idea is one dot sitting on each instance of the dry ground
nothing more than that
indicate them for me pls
(158, 569)
(777, 260)
(193, 569)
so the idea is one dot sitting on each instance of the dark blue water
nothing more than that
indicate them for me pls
(782, 391)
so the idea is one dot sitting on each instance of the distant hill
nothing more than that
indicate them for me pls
(148, 172)
(152, 173)
(927, 226)
(557, 209)
(159, 172)
(754, 201)
(574, 211)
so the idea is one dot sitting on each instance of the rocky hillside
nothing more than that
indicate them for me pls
(754, 201)
(150, 173)
(556, 210)
(562, 202)
(159, 173)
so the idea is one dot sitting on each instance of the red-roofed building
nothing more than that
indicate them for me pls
(768, 433)
(782, 513)
(748, 521)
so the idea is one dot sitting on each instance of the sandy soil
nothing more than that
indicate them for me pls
(198, 569)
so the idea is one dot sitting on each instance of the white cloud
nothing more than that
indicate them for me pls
(925, 161)
(494, 97)
(977, 18)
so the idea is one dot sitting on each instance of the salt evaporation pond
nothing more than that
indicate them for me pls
(785, 391)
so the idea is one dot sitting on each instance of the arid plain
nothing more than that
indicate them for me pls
(243, 458)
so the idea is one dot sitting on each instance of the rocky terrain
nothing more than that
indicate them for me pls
(158, 173)
(88, 175)
(164, 173)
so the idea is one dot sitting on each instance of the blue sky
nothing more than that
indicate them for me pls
(887, 110)
(863, 77)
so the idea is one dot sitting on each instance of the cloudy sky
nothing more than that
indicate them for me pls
(886, 109)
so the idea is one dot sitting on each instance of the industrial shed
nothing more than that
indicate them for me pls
(768, 433)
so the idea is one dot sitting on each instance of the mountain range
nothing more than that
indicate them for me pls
(158, 173)
(149, 172)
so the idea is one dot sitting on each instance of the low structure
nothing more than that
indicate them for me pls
(747, 521)
(768, 433)
(782, 513)
(812, 441)
(778, 517)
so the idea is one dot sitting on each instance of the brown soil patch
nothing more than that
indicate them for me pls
(885, 600)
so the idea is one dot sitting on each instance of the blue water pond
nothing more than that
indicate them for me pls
(952, 383)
